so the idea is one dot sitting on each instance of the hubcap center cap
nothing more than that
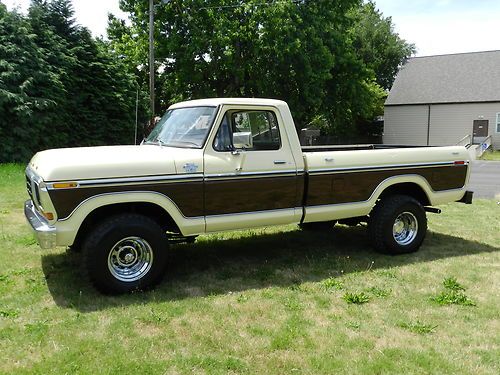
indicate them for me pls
(128, 258)
(405, 228)
(399, 226)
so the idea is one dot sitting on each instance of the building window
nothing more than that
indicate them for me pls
(498, 123)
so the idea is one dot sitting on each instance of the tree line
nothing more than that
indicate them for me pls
(332, 61)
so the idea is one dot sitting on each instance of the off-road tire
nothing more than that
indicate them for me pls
(382, 220)
(109, 238)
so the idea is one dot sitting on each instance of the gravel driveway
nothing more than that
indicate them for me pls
(485, 179)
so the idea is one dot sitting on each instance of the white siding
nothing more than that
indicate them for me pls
(405, 125)
(449, 123)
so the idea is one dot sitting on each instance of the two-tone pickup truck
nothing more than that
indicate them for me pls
(223, 164)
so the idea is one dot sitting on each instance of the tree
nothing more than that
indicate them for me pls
(29, 88)
(378, 45)
(59, 86)
(298, 51)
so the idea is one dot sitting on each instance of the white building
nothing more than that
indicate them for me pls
(439, 100)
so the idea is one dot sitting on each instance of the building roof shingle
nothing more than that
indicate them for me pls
(458, 78)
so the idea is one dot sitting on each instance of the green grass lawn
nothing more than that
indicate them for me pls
(491, 155)
(267, 301)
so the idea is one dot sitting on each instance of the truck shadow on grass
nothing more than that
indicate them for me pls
(215, 267)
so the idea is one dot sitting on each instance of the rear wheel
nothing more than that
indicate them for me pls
(125, 253)
(397, 225)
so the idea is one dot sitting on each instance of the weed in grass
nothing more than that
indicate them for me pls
(333, 284)
(9, 314)
(353, 325)
(21, 271)
(453, 297)
(451, 283)
(4, 278)
(418, 327)
(379, 292)
(356, 298)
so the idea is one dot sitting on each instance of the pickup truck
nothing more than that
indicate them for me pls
(223, 164)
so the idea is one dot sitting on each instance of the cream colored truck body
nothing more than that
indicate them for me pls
(203, 190)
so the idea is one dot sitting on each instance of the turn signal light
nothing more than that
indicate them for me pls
(48, 215)
(459, 162)
(64, 185)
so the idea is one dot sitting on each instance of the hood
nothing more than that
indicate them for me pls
(107, 162)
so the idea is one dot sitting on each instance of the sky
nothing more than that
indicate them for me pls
(92, 14)
(440, 27)
(436, 27)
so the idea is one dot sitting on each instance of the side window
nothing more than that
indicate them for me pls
(248, 130)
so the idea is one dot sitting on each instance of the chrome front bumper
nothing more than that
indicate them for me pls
(45, 233)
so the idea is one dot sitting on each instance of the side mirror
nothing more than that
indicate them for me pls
(242, 140)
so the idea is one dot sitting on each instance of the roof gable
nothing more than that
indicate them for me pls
(465, 77)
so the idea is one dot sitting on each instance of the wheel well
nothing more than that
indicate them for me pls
(150, 210)
(407, 188)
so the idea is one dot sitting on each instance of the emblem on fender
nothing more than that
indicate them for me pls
(190, 167)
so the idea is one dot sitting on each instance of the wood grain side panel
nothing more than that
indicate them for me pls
(188, 196)
(251, 194)
(358, 186)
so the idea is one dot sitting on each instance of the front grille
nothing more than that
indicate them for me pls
(37, 195)
(28, 187)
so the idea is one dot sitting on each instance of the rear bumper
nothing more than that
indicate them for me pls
(45, 233)
(467, 198)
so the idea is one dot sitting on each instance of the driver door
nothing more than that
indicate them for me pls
(250, 174)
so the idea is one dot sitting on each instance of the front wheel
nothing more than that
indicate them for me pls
(397, 225)
(125, 253)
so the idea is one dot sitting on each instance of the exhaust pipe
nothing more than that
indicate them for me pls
(433, 210)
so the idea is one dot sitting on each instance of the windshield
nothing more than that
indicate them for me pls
(183, 127)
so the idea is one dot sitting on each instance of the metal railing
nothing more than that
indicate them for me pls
(465, 141)
(483, 146)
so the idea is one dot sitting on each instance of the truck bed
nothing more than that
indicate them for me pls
(323, 148)
(355, 174)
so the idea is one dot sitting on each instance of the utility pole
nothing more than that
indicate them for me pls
(151, 62)
(152, 57)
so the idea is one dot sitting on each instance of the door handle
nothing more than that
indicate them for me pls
(329, 159)
(280, 162)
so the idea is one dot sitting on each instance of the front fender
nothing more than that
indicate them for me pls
(68, 228)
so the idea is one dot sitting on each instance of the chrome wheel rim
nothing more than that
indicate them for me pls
(405, 228)
(130, 259)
